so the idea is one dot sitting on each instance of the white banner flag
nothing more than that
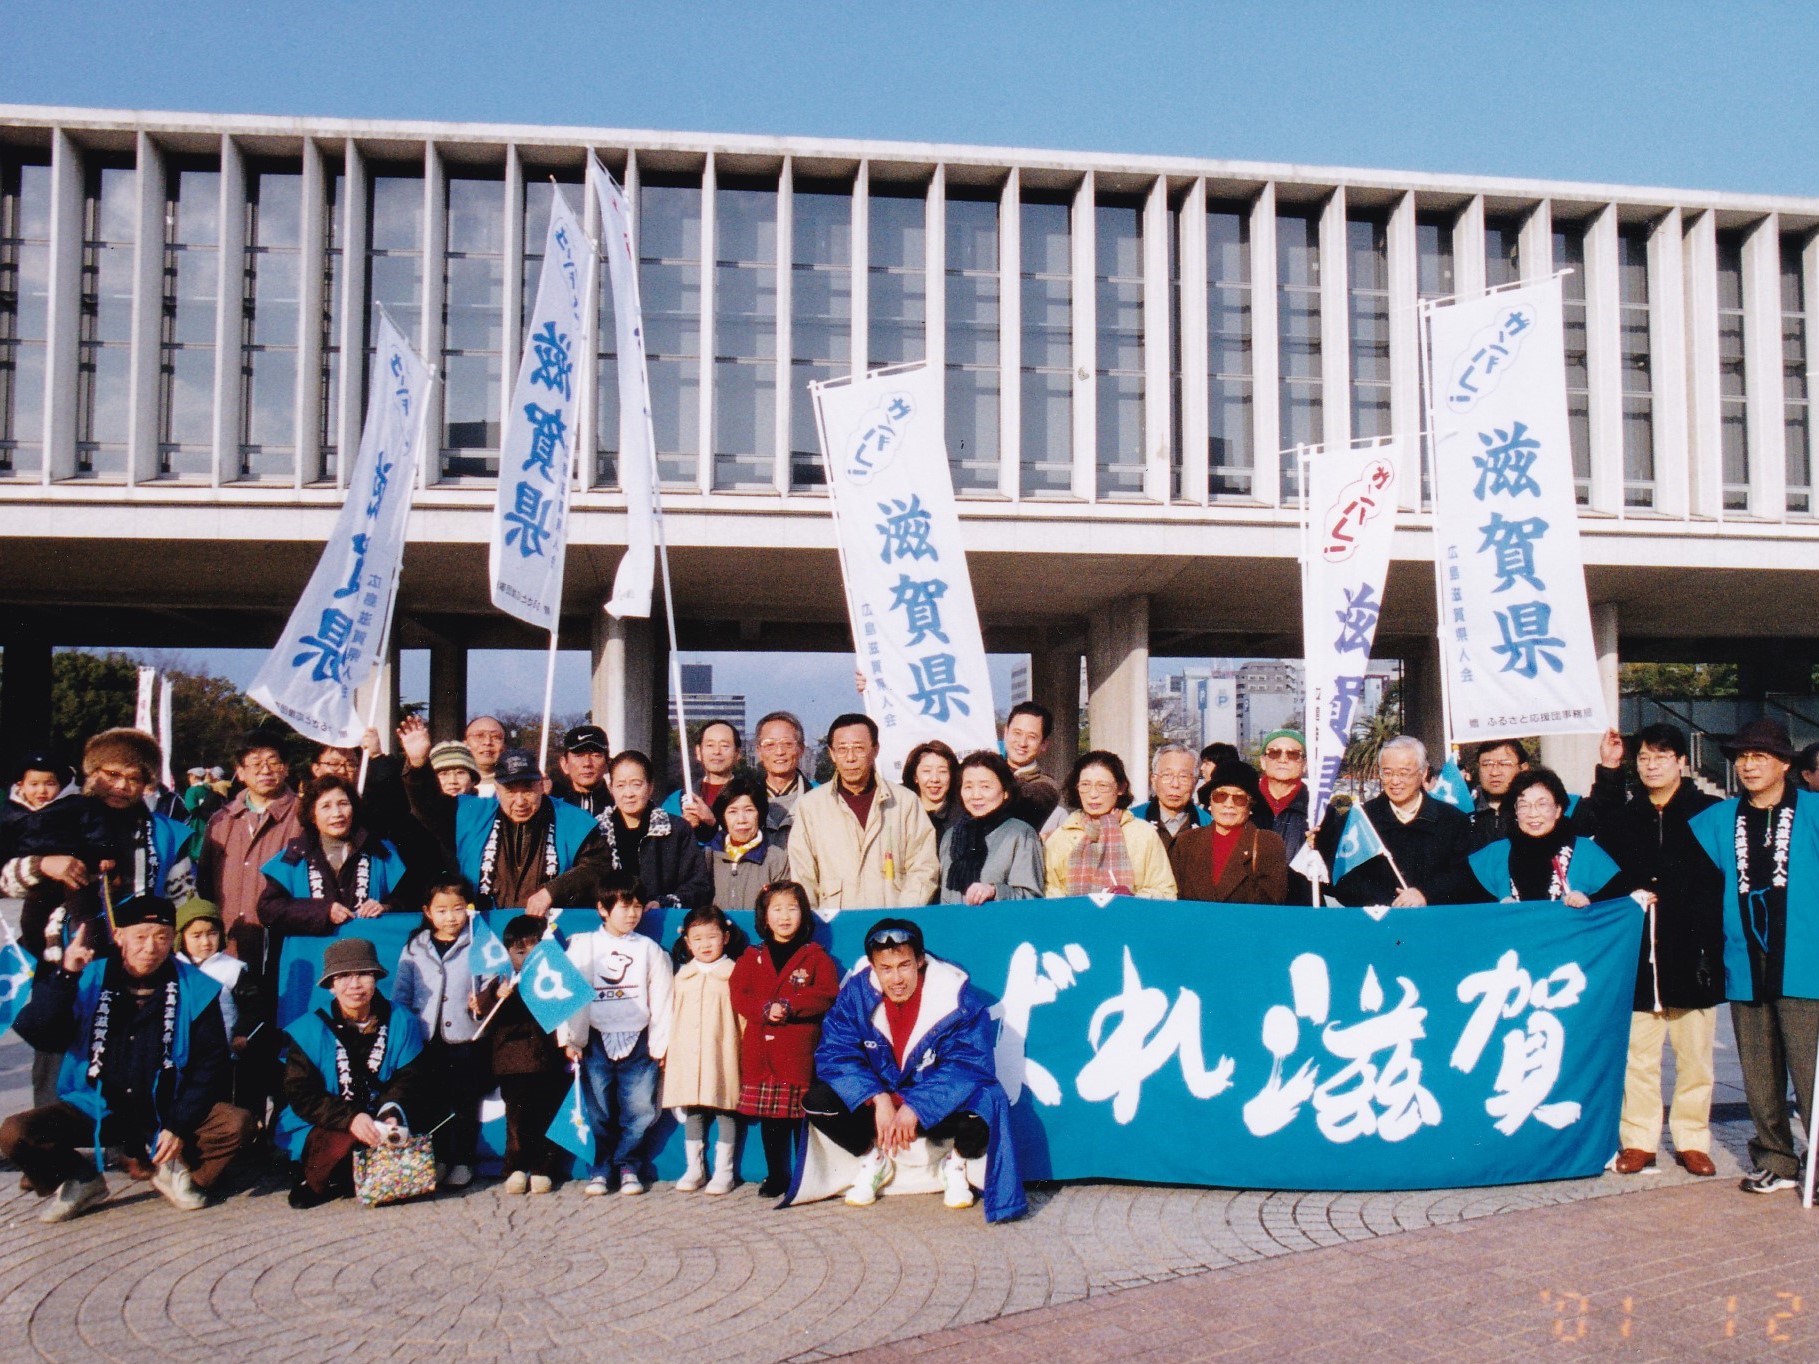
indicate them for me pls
(536, 449)
(164, 728)
(1351, 518)
(908, 593)
(637, 438)
(335, 638)
(1515, 627)
(148, 689)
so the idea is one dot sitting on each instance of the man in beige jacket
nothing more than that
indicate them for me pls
(861, 841)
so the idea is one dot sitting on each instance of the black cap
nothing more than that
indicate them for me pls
(586, 739)
(43, 762)
(145, 909)
(516, 765)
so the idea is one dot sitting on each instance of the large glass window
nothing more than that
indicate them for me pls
(897, 266)
(186, 352)
(669, 286)
(1298, 339)
(1228, 351)
(1733, 396)
(821, 313)
(334, 275)
(1118, 281)
(1368, 286)
(473, 344)
(109, 208)
(1795, 398)
(25, 251)
(1569, 257)
(1434, 278)
(394, 257)
(1638, 385)
(745, 334)
(1502, 251)
(972, 341)
(1047, 379)
(269, 321)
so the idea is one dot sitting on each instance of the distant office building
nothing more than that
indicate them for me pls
(1020, 685)
(701, 703)
(1269, 695)
(1201, 707)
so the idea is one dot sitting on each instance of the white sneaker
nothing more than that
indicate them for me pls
(458, 1177)
(596, 1187)
(955, 1191)
(875, 1171)
(630, 1186)
(74, 1196)
(541, 1184)
(724, 1179)
(517, 1182)
(172, 1180)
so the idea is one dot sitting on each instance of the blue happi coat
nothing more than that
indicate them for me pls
(290, 870)
(1590, 870)
(474, 818)
(310, 1033)
(947, 1068)
(1716, 829)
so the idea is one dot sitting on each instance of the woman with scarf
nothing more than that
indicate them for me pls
(933, 772)
(1542, 859)
(744, 858)
(335, 870)
(1100, 847)
(985, 853)
(1231, 861)
(654, 846)
(781, 988)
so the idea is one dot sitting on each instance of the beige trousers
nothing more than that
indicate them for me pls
(1691, 1032)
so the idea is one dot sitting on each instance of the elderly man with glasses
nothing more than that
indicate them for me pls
(1172, 810)
(1285, 799)
(862, 841)
(906, 1097)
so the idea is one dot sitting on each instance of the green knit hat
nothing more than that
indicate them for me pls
(197, 908)
(1284, 733)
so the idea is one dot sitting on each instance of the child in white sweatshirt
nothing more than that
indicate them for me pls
(621, 1035)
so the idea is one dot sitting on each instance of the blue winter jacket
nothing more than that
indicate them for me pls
(946, 1069)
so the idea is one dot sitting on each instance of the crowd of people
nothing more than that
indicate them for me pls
(158, 923)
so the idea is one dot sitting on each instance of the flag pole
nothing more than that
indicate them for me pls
(549, 693)
(1425, 327)
(669, 616)
(1389, 856)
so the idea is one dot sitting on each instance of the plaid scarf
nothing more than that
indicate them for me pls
(1100, 860)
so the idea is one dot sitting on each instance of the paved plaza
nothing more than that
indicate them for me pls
(1098, 1271)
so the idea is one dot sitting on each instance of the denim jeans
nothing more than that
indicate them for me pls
(621, 1102)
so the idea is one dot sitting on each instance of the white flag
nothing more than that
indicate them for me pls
(164, 727)
(908, 592)
(335, 638)
(536, 451)
(637, 437)
(148, 690)
(1351, 509)
(1515, 627)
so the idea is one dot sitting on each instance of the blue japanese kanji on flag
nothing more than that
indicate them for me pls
(553, 989)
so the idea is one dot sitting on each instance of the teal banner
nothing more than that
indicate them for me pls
(1270, 1047)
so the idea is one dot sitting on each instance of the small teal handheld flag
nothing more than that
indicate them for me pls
(553, 989)
(1358, 844)
(1451, 788)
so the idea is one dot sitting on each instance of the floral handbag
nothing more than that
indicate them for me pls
(394, 1170)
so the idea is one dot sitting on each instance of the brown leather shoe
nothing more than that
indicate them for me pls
(1630, 1161)
(1696, 1163)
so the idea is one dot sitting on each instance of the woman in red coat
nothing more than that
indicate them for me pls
(781, 988)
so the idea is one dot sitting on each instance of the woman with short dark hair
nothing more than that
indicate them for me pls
(987, 853)
(933, 773)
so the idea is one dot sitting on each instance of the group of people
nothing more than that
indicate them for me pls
(155, 1015)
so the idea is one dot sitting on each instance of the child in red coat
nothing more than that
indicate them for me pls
(781, 987)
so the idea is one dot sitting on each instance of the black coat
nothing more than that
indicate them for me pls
(671, 866)
(1291, 827)
(1681, 961)
(1430, 850)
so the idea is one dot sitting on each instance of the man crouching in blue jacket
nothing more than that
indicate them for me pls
(904, 1069)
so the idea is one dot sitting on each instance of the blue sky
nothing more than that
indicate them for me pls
(1697, 95)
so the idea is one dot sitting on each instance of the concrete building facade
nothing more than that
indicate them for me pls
(1129, 346)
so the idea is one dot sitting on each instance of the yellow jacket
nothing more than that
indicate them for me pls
(1142, 844)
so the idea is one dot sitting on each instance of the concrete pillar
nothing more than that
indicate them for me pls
(1574, 756)
(623, 700)
(1055, 683)
(447, 689)
(1421, 698)
(25, 694)
(1117, 674)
